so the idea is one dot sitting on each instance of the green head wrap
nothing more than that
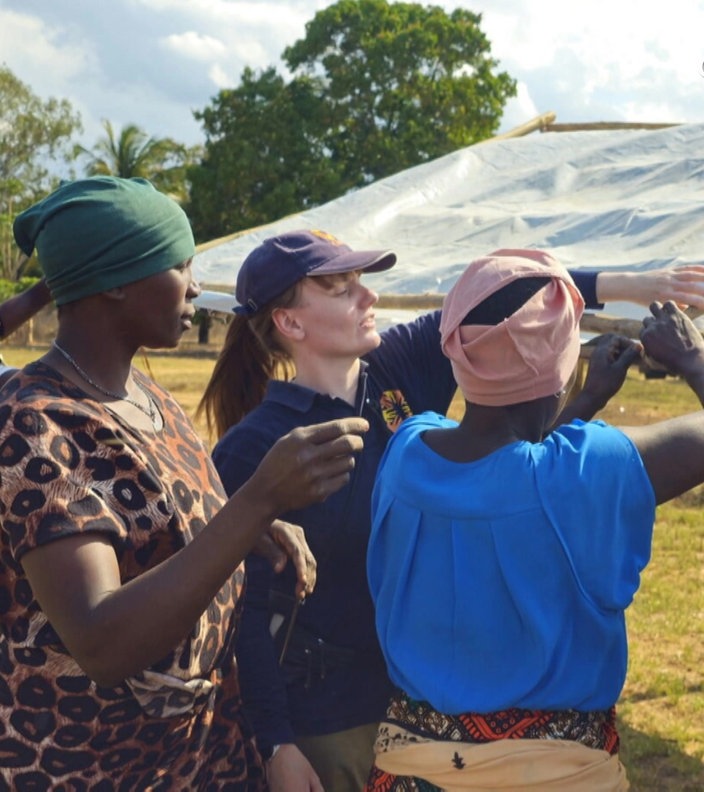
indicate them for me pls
(94, 234)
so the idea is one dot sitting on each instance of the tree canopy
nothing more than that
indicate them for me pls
(376, 87)
(264, 157)
(405, 83)
(33, 133)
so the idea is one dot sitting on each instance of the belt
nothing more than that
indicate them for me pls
(305, 656)
(308, 657)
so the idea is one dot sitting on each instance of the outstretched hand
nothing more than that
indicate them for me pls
(307, 465)
(671, 339)
(683, 285)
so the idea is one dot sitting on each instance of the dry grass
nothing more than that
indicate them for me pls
(661, 710)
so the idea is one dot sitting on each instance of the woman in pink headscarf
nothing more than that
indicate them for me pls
(503, 554)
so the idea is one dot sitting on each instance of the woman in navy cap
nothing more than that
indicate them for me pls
(314, 681)
(120, 563)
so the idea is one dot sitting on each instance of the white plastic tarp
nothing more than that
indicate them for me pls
(623, 199)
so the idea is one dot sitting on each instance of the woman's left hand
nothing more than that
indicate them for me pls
(284, 541)
(609, 363)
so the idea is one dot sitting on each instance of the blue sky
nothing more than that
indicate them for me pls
(152, 62)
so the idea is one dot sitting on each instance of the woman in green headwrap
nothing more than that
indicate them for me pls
(120, 562)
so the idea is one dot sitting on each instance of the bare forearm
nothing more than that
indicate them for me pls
(684, 285)
(611, 286)
(181, 588)
(15, 311)
(673, 451)
(673, 454)
(122, 632)
(117, 629)
(695, 380)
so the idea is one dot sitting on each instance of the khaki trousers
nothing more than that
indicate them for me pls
(342, 759)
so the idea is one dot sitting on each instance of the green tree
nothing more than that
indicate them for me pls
(34, 133)
(405, 83)
(377, 87)
(264, 154)
(132, 153)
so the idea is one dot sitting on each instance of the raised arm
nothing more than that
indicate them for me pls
(673, 450)
(670, 337)
(682, 285)
(16, 310)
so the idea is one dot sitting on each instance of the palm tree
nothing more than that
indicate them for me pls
(133, 153)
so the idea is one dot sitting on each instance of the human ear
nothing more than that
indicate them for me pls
(287, 324)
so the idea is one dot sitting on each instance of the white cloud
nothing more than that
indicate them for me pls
(219, 77)
(195, 45)
(604, 60)
(32, 46)
(152, 62)
(265, 16)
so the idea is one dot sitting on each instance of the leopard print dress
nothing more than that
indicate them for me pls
(67, 466)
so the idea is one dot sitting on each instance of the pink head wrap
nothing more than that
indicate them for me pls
(530, 354)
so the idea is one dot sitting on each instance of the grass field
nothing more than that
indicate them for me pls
(661, 711)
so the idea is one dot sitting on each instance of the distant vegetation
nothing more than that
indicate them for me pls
(375, 87)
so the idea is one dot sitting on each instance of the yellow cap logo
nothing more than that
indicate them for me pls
(327, 237)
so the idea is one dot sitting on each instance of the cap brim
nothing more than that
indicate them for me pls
(367, 260)
(215, 301)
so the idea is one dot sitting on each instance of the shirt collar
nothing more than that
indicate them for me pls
(298, 397)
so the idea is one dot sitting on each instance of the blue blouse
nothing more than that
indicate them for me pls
(503, 582)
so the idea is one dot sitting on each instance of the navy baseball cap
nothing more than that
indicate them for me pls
(281, 261)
